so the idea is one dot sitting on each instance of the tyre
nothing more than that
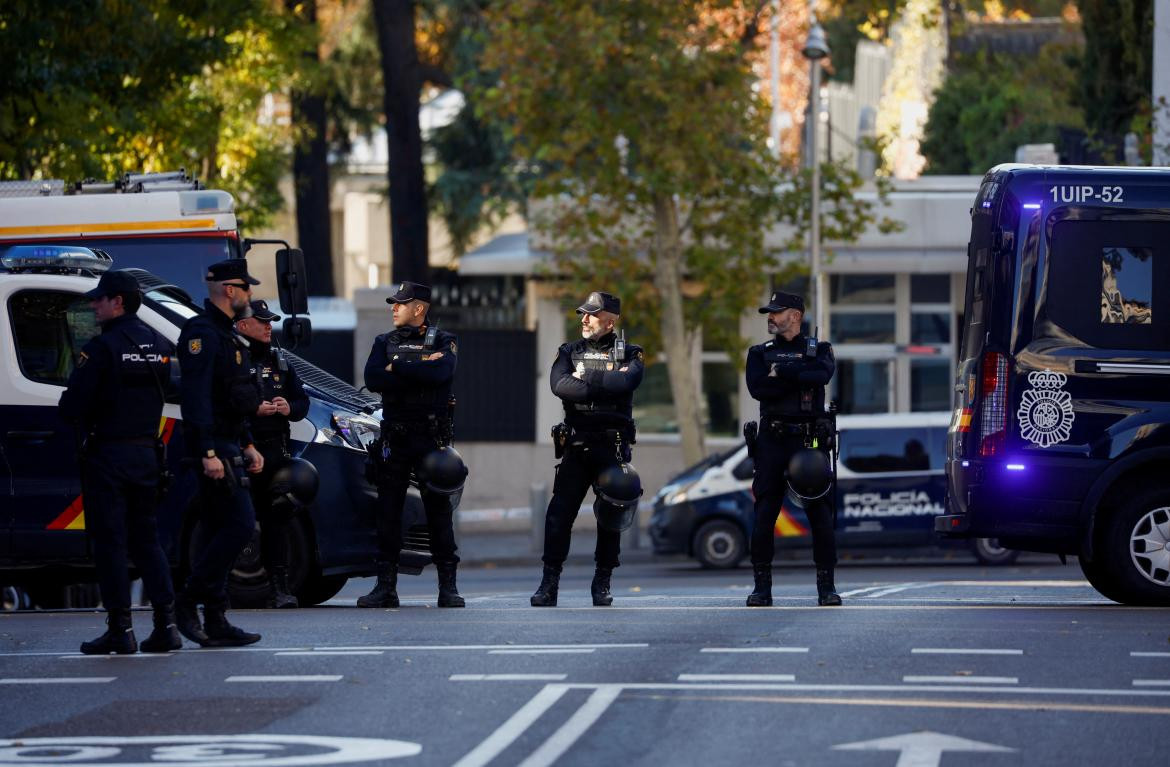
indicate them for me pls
(1095, 573)
(1135, 549)
(989, 552)
(248, 580)
(719, 544)
(320, 588)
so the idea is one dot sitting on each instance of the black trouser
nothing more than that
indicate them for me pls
(120, 483)
(408, 444)
(229, 521)
(576, 473)
(273, 522)
(769, 486)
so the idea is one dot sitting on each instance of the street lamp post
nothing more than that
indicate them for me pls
(816, 48)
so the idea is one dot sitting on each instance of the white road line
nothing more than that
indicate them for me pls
(507, 733)
(466, 647)
(754, 649)
(736, 678)
(507, 677)
(1149, 655)
(962, 651)
(287, 678)
(329, 653)
(1151, 683)
(898, 589)
(546, 651)
(135, 656)
(961, 679)
(855, 592)
(59, 680)
(584, 718)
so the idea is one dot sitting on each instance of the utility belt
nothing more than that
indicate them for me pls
(92, 446)
(399, 432)
(819, 433)
(274, 441)
(565, 437)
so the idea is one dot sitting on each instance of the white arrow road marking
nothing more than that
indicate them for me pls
(922, 749)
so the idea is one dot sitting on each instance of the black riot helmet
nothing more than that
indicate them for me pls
(810, 474)
(443, 471)
(618, 489)
(294, 484)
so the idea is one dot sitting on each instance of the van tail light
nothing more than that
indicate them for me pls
(994, 388)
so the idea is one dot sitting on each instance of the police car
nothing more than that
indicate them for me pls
(1060, 437)
(890, 486)
(43, 544)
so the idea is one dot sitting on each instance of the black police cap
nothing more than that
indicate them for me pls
(231, 269)
(600, 302)
(405, 292)
(260, 311)
(114, 283)
(781, 301)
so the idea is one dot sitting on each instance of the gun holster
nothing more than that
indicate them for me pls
(751, 433)
(560, 438)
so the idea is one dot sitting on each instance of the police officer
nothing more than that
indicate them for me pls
(115, 398)
(219, 395)
(283, 400)
(788, 376)
(413, 367)
(595, 378)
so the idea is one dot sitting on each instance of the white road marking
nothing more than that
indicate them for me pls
(1151, 683)
(135, 656)
(922, 749)
(564, 738)
(546, 651)
(855, 592)
(754, 649)
(1149, 655)
(899, 588)
(507, 733)
(507, 677)
(287, 678)
(961, 679)
(329, 653)
(962, 651)
(489, 647)
(736, 678)
(58, 680)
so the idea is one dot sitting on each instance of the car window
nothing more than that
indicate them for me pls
(869, 451)
(49, 329)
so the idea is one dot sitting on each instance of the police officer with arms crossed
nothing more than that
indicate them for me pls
(595, 377)
(413, 367)
(115, 398)
(788, 376)
(219, 394)
(283, 400)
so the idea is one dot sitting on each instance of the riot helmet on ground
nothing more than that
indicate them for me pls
(810, 474)
(443, 471)
(294, 484)
(618, 489)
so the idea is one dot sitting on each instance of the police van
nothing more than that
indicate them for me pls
(890, 487)
(1060, 436)
(169, 235)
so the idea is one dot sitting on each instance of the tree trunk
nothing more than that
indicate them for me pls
(676, 341)
(402, 84)
(311, 172)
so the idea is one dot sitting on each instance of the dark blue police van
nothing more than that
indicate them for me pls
(44, 323)
(890, 487)
(1060, 436)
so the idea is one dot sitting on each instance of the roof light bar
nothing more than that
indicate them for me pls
(63, 257)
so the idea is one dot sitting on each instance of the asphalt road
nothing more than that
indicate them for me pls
(925, 664)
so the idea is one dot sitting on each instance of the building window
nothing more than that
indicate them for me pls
(653, 403)
(863, 289)
(863, 328)
(720, 399)
(930, 328)
(862, 386)
(930, 384)
(930, 288)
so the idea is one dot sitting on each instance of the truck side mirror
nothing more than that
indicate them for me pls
(297, 331)
(291, 282)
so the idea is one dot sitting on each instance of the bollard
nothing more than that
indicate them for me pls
(537, 502)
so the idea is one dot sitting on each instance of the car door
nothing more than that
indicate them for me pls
(46, 329)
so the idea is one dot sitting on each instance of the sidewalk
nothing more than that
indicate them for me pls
(482, 549)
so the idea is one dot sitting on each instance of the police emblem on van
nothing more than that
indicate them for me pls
(1046, 411)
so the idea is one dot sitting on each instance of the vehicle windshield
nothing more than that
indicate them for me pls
(168, 300)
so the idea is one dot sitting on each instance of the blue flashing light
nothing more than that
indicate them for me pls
(1031, 206)
(55, 257)
(964, 464)
(987, 203)
(1015, 467)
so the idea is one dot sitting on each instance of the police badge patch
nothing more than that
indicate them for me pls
(195, 345)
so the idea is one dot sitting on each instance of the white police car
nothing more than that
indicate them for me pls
(890, 486)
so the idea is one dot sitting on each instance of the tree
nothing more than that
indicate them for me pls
(1117, 68)
(649, 142)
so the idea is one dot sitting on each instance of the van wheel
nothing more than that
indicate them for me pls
(989, 552)
(248, 580)
(1136, 554)
(1096, 574)
(320, 588)
(719, 544)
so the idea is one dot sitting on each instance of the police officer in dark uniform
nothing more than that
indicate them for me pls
(788, 376)
(283, 400)
(219, 394)
(115, 398)
(595, 378)
(413, 367)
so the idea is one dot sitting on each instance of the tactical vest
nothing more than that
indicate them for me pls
(243, 391)
(603, 410)
(799, 401)
(141, 367)
(414, 400)
(271, 374)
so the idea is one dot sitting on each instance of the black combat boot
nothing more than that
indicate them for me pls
(220, 633)
(385, 592)
(279, 594)
(827, 595)
(119, 636)
(602, 597)
(448, 592)
(165, 636)
(187, 620)
(546, 592)
(762, 595)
